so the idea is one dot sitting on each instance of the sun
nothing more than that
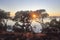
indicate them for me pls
(12, 14)
(34, 16)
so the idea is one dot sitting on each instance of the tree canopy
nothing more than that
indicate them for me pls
(4, 14)
(23, 15)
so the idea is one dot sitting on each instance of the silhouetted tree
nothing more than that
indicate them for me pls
(3, 15)
(22, 16)
(42, 13)
(53, 23)
(25, 16)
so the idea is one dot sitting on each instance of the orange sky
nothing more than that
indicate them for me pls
(50, 13)
(54, 14)
(12, 13)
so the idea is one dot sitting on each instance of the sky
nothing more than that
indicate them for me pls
(51, 6)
